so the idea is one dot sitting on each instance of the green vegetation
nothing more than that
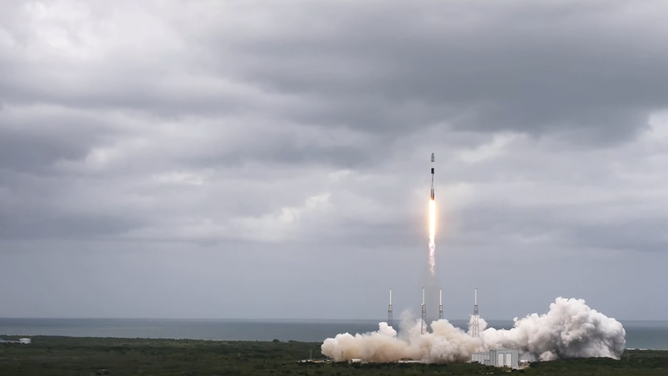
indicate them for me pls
(121, 356)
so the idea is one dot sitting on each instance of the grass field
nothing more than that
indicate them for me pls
(119, 356)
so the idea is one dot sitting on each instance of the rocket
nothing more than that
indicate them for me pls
(432, 176)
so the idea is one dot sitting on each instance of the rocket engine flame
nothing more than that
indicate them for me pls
(432, 237)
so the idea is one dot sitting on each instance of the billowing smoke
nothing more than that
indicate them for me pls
(569, 330)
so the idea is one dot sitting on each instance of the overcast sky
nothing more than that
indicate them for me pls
(249, 159)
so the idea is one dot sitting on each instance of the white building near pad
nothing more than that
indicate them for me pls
(498, 358)
(23, 341)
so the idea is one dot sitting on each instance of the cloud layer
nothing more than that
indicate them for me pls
(306, 128)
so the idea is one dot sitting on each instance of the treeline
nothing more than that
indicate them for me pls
(122, 356)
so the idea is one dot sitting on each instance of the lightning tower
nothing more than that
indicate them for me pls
(475, 325)
(440, 304)
(423, 324)
(389, 311)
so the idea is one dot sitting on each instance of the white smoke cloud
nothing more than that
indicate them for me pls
(569, 330)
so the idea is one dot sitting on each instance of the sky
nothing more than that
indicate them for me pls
(260, 159)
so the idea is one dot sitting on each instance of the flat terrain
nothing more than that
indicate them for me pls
(120, 356)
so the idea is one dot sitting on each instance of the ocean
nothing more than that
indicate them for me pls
(639, 334)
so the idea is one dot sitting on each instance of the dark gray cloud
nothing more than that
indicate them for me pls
(290, 142)
(534, 68)
(34, 138)
(27, 225)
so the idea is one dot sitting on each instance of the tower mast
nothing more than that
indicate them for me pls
(389, 311)
(423, 325)
(440, 304)
(475, 326)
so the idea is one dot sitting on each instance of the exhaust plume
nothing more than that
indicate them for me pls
(569, 330)
(432, 238)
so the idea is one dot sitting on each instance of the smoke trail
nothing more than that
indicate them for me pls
(432, 238)
(569, 330)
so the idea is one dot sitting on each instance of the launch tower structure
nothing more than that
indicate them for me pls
(475, 325)
(423, 324)
(440, 304)
(389, 311)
